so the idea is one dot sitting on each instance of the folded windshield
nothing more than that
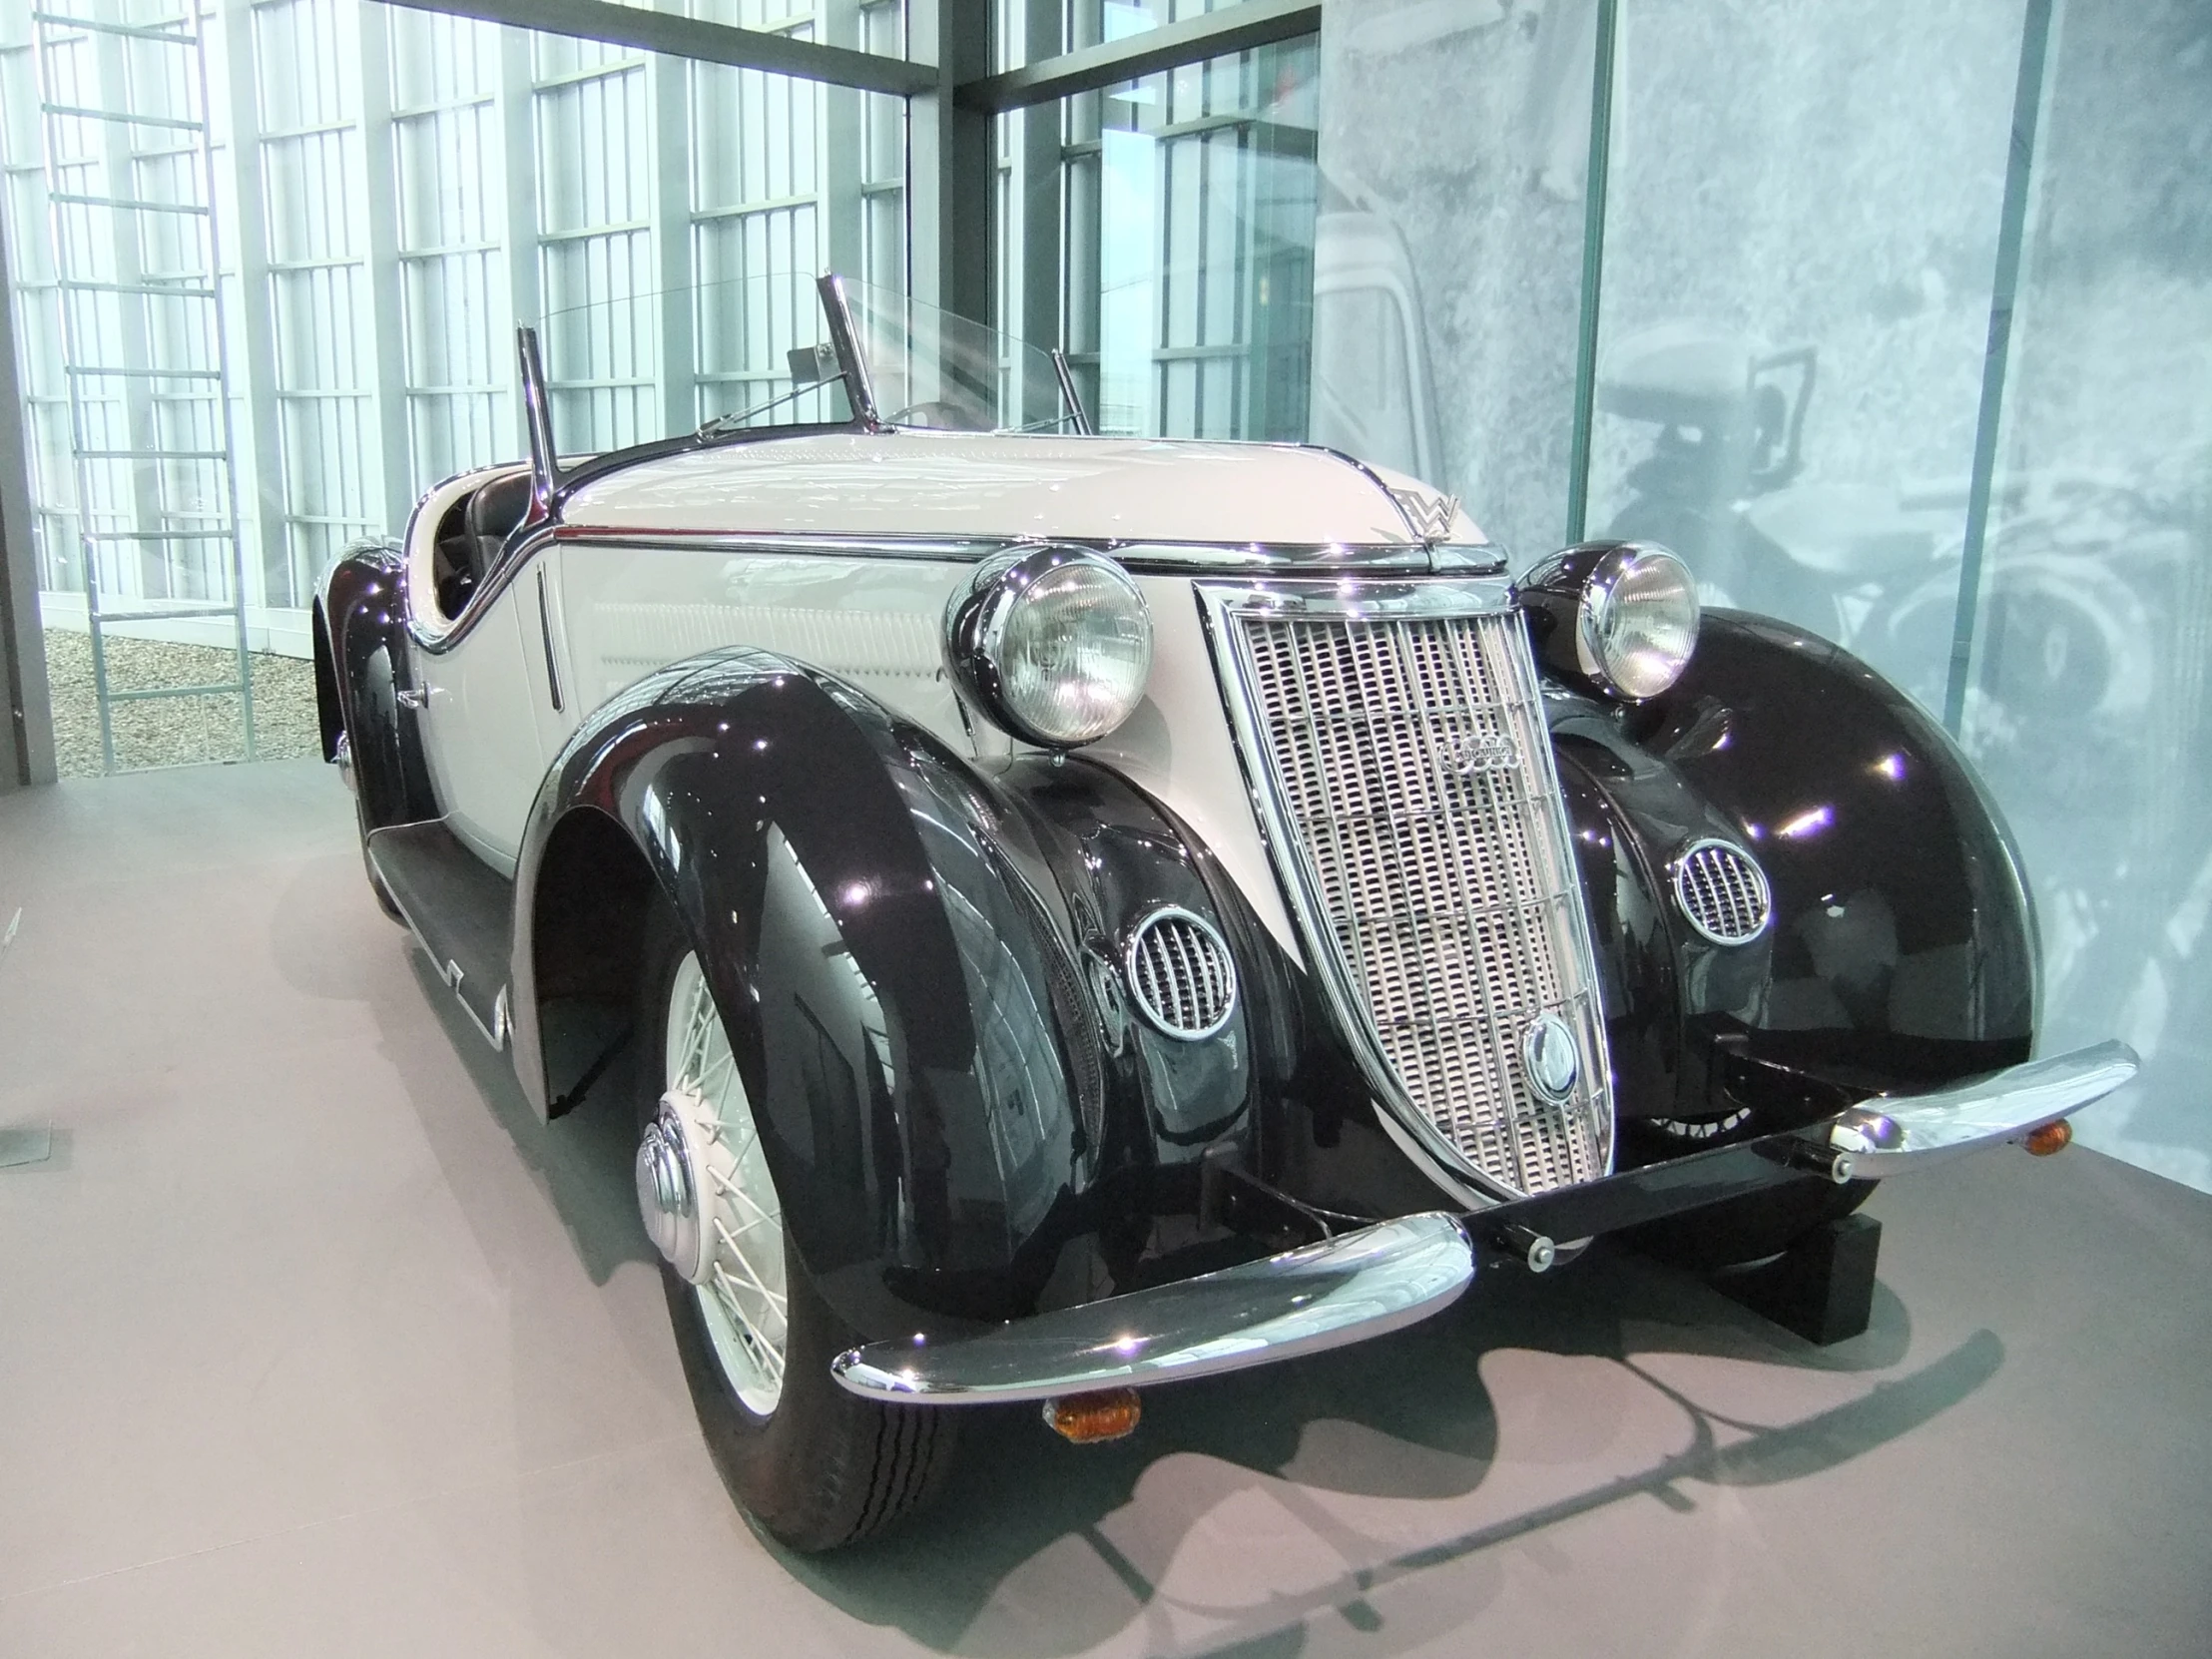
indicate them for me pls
(755, 354)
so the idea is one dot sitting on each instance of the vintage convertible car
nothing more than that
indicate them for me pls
(1077, 913)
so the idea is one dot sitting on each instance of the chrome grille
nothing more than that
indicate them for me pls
(1181, 975)
(1410, 768)
(1723, 891)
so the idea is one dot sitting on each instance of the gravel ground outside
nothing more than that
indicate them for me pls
(174, 731)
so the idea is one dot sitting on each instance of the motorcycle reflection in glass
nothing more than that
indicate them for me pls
(2089, 695)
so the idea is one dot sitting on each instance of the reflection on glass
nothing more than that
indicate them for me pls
(1448, 246)
(2089, 702)
(1189, 246)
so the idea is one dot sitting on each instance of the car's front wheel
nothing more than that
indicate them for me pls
(816, 1466)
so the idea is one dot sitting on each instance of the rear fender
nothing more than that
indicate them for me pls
(362, 662)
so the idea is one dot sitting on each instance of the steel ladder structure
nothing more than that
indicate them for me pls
(130, 188)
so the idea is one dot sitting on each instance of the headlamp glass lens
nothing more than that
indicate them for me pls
(1074, 651)
(1640, 621)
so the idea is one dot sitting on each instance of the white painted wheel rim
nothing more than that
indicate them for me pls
(743, 1297)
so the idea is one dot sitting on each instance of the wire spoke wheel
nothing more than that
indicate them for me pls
(745, 1302)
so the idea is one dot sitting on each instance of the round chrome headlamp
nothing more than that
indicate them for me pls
(1053, 643)
(1622, 616)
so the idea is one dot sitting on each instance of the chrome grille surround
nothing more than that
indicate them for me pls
(1180, 973)
(1394, 740)
(1721, 890)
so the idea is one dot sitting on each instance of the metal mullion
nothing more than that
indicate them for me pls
(580, 77)
(1228, 30)
(2029, 92)
(122, 116)
(263, 446)
(1593, 267)
(387, 317)
(143, 373)
(668, 115)
(131, 31)
(335, 262)
(518, 171)
(424, 256)
(774, 203)
(420, 112)
(322, 129)
(127, 203)
(231, 688)
(671, 33)
(589, 233)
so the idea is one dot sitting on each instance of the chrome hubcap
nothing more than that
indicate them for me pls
(708, 1203)
(666, 1193)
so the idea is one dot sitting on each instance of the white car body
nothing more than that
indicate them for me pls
(837, 550)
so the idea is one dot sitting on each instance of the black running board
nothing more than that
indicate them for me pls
(459, 908)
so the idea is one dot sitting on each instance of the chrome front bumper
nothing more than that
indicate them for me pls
(1342, 1290)
(1381, 1278)
(1883, 1136)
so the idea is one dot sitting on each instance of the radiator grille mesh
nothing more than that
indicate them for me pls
(1409, 759)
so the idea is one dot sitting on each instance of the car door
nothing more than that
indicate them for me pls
(479, 718)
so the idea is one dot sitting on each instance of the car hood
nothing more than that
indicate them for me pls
(909, 483)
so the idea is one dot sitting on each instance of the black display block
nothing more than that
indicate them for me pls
(1821, 1287)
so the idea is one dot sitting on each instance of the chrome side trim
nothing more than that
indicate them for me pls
(545, 637)
(1220, 605)
(1341, 1291)
(1885, 1135)
(1254, 560)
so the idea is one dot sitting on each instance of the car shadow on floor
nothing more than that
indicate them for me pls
(1410, 1419)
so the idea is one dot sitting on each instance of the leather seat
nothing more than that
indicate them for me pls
(490, 518)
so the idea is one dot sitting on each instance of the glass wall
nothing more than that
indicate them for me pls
(1795, 305)
(1186, 202)
(392, 190)
(2089, 702)
(1806, 262)
(1449, 250)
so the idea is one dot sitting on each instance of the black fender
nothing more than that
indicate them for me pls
(362, 662)
(1902, 952)
(911, 974)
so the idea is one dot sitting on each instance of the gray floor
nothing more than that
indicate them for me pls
(314, 1343)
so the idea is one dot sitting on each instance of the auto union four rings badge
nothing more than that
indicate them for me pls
(1550, 1058)
(1473, 753)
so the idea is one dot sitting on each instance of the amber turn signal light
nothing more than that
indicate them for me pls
(2052, 1137)
(1108, 1415)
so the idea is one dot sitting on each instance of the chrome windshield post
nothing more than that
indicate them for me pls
(1076, 412)
(537, 413)
(844, 340)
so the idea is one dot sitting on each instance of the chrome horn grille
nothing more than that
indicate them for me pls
(1406, 777)
(1723, 891)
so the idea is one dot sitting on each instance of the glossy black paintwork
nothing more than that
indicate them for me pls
(1902, 952)
(916, 964)
(919, 963)
(362, 662)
